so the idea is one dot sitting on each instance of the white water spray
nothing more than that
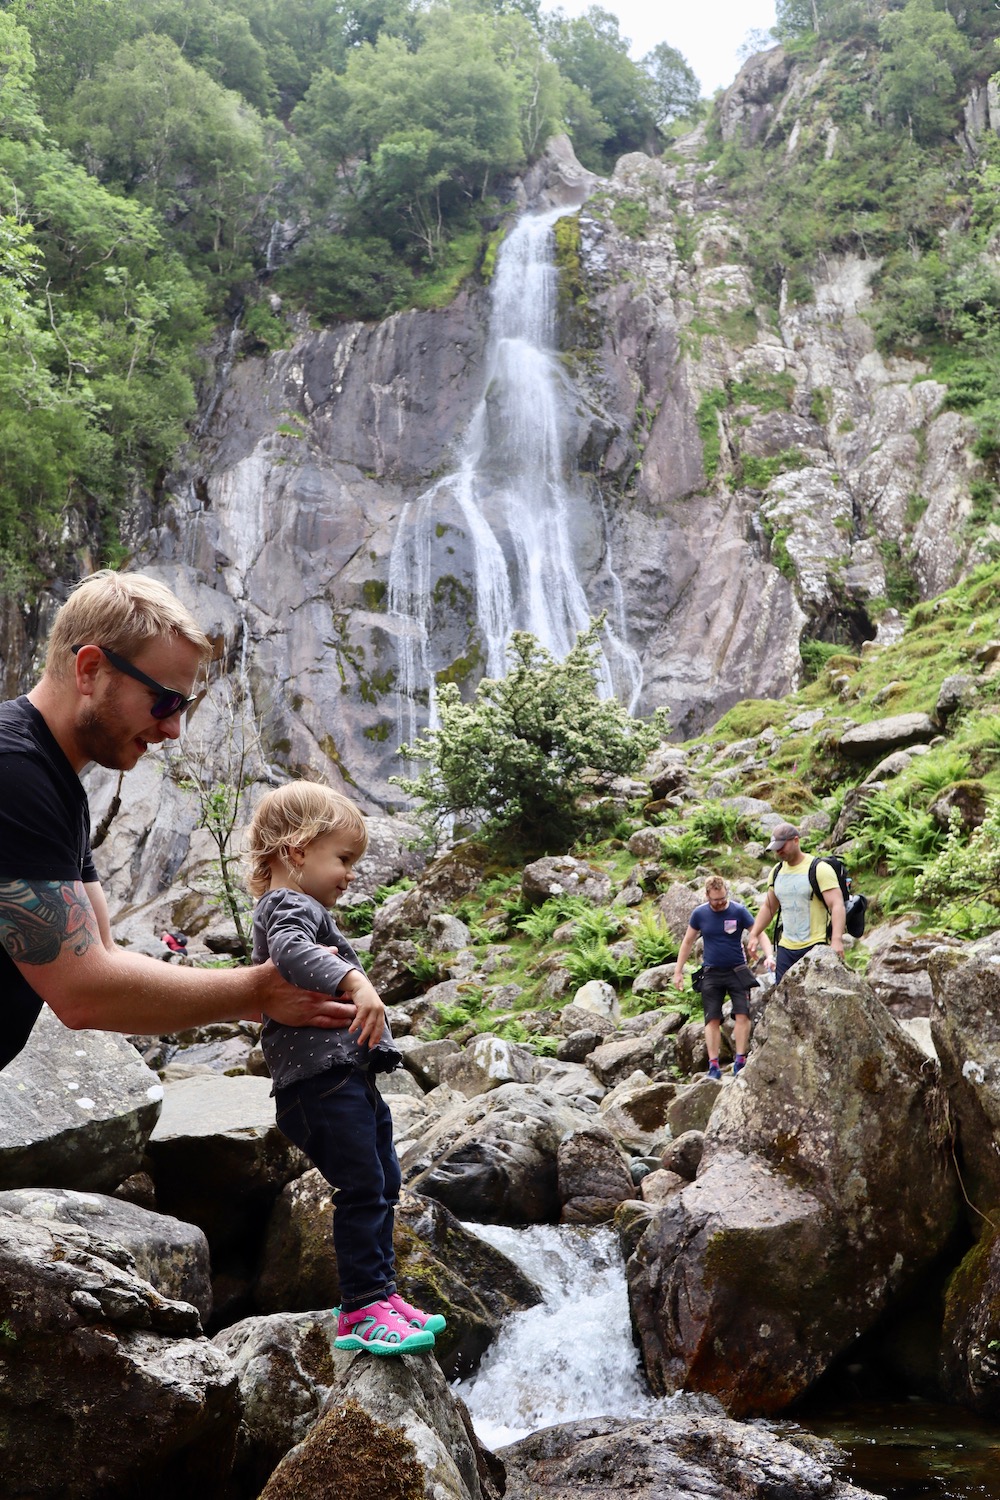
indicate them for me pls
(571, 1357)
(512, 497)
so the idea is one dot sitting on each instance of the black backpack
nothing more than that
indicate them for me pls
(855, 905)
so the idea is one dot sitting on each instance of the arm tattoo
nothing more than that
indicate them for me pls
(40, 919)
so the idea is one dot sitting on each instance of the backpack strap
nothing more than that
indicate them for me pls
(778, 923)
(814, 883)
(814, 879)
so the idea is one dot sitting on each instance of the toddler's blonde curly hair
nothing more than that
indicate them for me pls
(292, 816)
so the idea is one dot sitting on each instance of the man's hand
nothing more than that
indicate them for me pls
(753, 943)
(369, 1021)
(678, 978)
(292, 1006)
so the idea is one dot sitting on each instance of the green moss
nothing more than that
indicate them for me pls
(750, 717)
(767, 390)
(451, 593)
(328, 745)
(462, 668)
(756, 473)
(816, 656)
(631, 216)
(379, 732)
(373, 592)
(376, 685)
(567, 238)
(821, 404)
(707, 419)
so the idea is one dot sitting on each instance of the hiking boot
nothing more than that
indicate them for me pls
(432, 1322)
(379, 1329)
(739, 1063)
(714, 1071)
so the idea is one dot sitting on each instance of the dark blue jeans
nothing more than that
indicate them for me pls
(342, 1123)
(785, 957)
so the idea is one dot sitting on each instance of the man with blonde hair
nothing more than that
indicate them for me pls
(721, 924)
(123, 658)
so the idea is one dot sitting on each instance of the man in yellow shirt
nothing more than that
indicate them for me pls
(804, 918)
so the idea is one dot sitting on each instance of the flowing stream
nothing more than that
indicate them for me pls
(573, 1357)
(512, 508)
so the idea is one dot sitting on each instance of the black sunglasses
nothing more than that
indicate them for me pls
(167, 702)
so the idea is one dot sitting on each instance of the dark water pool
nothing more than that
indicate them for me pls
(914, 1450)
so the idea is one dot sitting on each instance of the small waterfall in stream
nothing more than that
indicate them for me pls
(572, 1356)
(525, 521)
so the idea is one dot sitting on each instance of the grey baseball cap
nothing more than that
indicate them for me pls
(782, 833)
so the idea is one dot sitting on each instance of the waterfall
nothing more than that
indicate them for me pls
(513, 504)
(571, 1357)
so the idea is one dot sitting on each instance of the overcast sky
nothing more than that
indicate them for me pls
(708, 34)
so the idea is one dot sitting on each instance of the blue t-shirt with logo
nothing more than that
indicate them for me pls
(720, 932)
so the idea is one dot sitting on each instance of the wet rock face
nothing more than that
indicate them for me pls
(971, 1331)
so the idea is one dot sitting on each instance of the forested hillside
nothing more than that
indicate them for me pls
(169, 164)
(903, 168)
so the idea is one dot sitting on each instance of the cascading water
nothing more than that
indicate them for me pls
(523, 519)
(572, 1356)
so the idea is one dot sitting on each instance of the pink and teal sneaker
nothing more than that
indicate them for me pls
(432, 1322)
(379, 1329)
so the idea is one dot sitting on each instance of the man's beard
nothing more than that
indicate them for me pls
(100, 734)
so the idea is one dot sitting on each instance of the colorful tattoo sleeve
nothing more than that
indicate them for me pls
(41, 919)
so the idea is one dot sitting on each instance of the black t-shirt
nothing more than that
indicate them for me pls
(44, 835)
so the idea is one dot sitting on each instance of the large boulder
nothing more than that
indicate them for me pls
(678, 1454)
(106, 1390)
(494, 1158)
(898, 972)
(593, 1177)
(487, 1063)
(756, 1275)
(880, 736)
(219, 1160)
(76, 1109)
(285, 1365)
(394, 1417)
(171, 1255)
(970, 1335)
(441, 885)
(562, 875)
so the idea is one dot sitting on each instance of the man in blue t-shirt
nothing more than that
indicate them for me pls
(721, 923)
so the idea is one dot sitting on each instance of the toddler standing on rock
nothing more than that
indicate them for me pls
(305, 841)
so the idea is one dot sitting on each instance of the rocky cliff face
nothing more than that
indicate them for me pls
(751, 462)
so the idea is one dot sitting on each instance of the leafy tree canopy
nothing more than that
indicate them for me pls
(512, 760)
(593, 55)
(925, 56)
(675, 88)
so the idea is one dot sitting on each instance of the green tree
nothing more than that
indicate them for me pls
(431, 128)
(593, 55)
(70, 40)
(513, 758)
(676, 90)
(216, 39)
(925, 59)
(538, 87)
(152, 125)
(843, 19)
